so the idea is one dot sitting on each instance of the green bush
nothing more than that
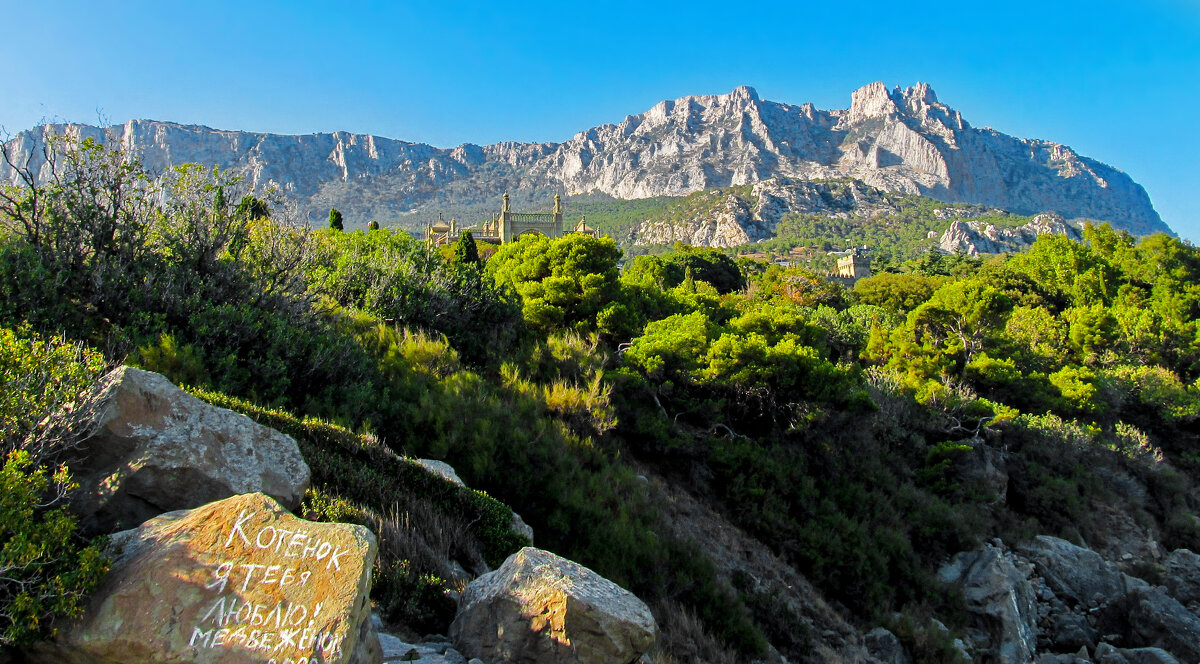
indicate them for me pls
(46, 569)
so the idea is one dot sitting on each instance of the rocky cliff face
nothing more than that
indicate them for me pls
(897, 140)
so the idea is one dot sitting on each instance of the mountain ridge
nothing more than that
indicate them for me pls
(903, 141)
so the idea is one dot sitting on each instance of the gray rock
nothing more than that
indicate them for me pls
(1071, 631)
(1078, 575)
(1182, 577)
(441, 468)
(519, 526)
(984, 471)
(886, 647)
(1108, 654)
(1156, 619)
(538, 607)
(1148, 656)
(158, 449)
(1001, 601)
(426, 652)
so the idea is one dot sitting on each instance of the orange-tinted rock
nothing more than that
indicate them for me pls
(541, 608)
(232, 582)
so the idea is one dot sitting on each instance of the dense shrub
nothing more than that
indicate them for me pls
(46, 569)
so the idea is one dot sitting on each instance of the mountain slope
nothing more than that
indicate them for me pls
(903, 141)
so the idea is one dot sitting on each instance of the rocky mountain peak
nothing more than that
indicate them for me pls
(898, 140)
(744, 92)
(871, 101)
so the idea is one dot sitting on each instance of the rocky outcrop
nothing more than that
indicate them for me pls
(728, 220)
(1182, 578)
(1078, 575)
(538, 607)
(1055, 602)
(239, 580)
(903, 141)
(1000, 598)
(976, 237)
(157, 449)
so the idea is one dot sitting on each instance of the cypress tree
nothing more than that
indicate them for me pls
(465, 251)
(335, 219)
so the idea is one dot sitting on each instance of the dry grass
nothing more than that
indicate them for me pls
(684, 640)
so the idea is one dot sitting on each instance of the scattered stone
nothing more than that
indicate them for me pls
(538, 607)
(1107, 654)
(240, 580)
(159, 449)
(1071, 631)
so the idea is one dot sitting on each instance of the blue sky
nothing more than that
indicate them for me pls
(1117, 81)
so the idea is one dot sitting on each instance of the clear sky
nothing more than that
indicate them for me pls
(1119, 81)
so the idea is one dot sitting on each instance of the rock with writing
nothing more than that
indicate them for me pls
(538, 607)
(232, 582)
(157, 449)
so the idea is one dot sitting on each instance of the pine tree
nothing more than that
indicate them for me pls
(373, 226)
(335, 220)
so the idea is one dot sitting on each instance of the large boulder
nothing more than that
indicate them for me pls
(538, 607)
(999, 597)
(157, 449)
(1156, 619)
(240, 580)
(1079, 575)
(1183, 576)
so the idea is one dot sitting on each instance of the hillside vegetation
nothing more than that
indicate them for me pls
(897, 228)
(830, 424)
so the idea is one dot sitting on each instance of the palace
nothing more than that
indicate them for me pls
(507, 226)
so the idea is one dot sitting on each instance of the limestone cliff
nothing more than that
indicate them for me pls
(896, 140)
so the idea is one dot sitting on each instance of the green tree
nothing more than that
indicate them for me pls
(465, 251)
(565, 282)
(373, 225)
(898, 292)
(335, 220)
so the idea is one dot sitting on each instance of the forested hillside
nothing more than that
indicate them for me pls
(842, 429)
